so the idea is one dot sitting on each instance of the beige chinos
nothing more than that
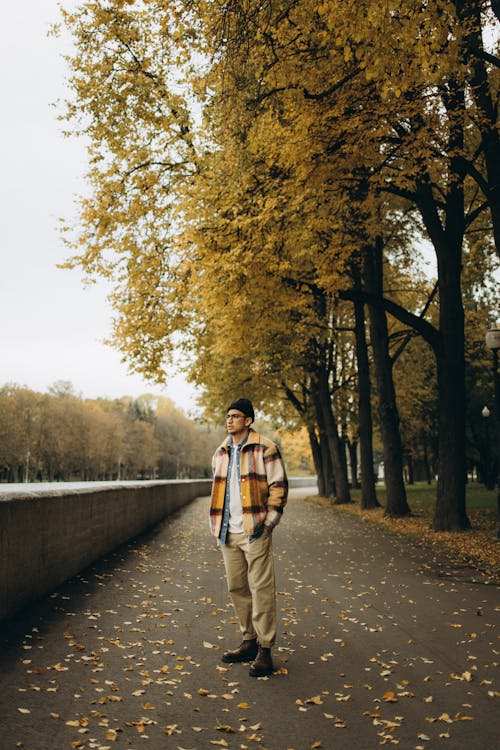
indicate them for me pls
(251, 584)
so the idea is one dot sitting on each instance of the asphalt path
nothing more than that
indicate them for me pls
(377, 646)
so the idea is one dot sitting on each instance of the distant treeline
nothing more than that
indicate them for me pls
(59, 436)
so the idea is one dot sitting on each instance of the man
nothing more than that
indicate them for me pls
(249, 493)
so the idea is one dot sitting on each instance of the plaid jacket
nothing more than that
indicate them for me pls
(264, 485)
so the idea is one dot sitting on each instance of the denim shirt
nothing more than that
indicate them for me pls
(234, 455)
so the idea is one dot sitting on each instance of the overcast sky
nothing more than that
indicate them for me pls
(52, 326)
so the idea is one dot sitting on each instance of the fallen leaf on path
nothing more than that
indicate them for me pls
(447, 718)
(172, 729)
(225, 728)
(389, 697)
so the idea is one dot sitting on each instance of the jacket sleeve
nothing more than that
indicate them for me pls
(278, 485)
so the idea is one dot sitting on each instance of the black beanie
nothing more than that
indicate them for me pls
(244, 405)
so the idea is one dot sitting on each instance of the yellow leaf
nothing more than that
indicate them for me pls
(316, 699)
(447, 718)
(225, 728)
(172, 729)
(389, 697)
(59, 668)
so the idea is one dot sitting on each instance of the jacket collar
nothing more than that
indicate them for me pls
(253, 437)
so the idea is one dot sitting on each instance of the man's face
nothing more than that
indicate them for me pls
(236, 422)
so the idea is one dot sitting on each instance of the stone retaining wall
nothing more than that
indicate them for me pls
(50, 533)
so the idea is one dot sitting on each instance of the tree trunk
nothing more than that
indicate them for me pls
(344, 449)
(368, 492)
(318, 464)
(342, 494)
(352, 446)
(450, 513)
(396, 504)
(317, 439)
(481, 91)
(326, 460)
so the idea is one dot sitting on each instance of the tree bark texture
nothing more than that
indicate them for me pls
(470, 14)
(342, 493)
(368, 492)
(318, 463)
(446, 230)
(396, 504)
(450, 513)
(324, 449)
(352, 446)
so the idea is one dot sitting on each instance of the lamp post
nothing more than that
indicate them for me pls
(492, 340)
(486, 452)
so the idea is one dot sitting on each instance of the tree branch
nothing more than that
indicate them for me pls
(425, 329)
(409, 335)
(483, 55)
(334, 87)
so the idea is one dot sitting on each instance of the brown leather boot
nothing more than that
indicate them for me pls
(263, 664)
(246, 652)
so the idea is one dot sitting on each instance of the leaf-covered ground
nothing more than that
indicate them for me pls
(476, 550)
(375, 648)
